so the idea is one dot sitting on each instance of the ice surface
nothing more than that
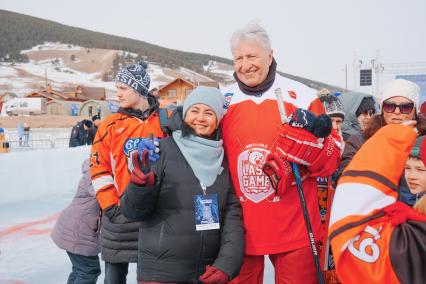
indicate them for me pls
(35, 186)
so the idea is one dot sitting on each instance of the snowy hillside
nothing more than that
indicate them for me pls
(68, 65)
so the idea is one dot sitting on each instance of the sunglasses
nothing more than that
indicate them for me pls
(369, 112)
(405, 108)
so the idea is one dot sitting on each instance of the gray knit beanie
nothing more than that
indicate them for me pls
(209, 96)
(136, 77)
(333, 106)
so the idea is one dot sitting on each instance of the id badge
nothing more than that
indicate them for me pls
(206, 212)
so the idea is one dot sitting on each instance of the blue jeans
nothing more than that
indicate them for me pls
(116, 273)
(85, 269)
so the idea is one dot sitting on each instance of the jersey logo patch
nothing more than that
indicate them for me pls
(254, 184)
(129, 147)
(228, 99)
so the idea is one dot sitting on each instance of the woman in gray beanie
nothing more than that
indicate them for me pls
(192, 229)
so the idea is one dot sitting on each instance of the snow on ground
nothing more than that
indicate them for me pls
(52, 46)
(219, 68)
(52, 60)
(35, 187)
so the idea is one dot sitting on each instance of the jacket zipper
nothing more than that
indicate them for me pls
(200, 256)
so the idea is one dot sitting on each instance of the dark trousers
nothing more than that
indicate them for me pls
(116, 273)
(85, 269)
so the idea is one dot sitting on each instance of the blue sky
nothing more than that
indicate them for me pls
(314, 39)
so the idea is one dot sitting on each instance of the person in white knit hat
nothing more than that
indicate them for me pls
(399, 101)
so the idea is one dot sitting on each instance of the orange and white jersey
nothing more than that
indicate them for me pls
(374, 238)
(117, 138)
(274, 224)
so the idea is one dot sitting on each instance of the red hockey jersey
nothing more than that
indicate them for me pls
(274, 224)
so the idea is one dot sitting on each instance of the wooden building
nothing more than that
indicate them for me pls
(85, 93)
(6, 97)
(177, 90)
(77, 94)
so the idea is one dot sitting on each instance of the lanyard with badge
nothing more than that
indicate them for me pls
(206, 211)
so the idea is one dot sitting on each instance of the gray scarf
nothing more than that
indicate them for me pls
(203, 155)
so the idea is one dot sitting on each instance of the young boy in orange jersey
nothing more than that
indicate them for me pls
(118, 136)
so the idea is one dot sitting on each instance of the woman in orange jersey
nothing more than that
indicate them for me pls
(192, 230)
(375, 238)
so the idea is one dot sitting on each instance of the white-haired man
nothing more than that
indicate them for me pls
(252, 132)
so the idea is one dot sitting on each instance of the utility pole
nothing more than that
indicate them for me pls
(355, 72)
(377, 69)
(346, 77)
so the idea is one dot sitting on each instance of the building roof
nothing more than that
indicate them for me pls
(194, 85)
(86, 93)
(78, 93)
(7, 93)
(177, 79)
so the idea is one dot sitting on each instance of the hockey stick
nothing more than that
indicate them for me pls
(285, 119)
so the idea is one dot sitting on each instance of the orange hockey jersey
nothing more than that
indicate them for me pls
(116, 139)
(374, 238)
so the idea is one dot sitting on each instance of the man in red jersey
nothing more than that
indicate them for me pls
(251, 132)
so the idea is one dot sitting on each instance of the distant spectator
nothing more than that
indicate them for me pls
(20, 128)
(334, 109)
(399, 103)
(358, 111)
(26, 135)
(80, 133)
(96, 120)
(4, 144)
(154, 92)
(77, 232)
(323, 92)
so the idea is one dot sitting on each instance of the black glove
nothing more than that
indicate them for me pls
(320, 125)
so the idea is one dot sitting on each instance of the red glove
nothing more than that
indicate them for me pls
(142, 173)
(277, 168)
(400, 212)
(298, 145)
(212, 275)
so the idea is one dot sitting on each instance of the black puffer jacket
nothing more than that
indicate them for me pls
(170, 249)
(79, 136)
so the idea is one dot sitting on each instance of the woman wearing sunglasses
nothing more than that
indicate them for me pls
(399, 103)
